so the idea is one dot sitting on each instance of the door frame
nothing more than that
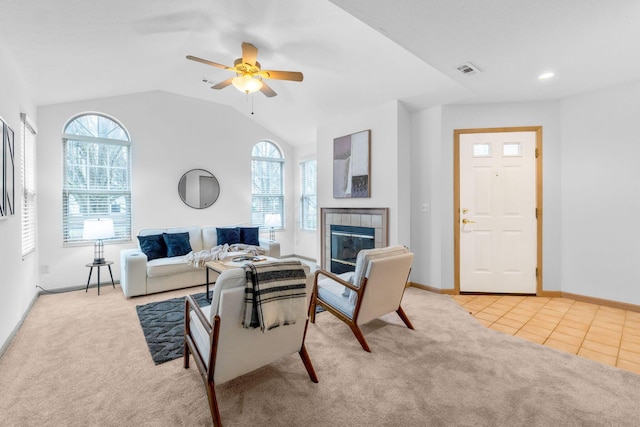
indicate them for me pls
(456, 197)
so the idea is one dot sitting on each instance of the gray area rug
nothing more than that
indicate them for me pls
(162, 323)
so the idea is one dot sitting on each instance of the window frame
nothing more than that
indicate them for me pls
(306, 197)
(122, 222)
(29, 215)
(278, 195)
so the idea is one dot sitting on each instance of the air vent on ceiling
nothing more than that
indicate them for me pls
(468, 68)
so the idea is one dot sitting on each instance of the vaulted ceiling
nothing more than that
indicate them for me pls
(354, 53)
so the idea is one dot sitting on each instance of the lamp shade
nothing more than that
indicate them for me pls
(95, 229)
(247, 83)
(272, 220)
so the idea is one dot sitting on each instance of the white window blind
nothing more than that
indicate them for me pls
(97, 171)
(308, 198)
(267, 184)
(28, 172)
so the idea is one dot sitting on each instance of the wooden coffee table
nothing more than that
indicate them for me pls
(220, 266)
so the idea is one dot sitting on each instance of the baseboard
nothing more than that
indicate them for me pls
(432, 289)
(15, 330)
(547, 294)
(602, 301)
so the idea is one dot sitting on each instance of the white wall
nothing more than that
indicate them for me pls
(171, 134)
(436, 187)
(601, 194)
(426, 173)
(19, 276)
(388, 181)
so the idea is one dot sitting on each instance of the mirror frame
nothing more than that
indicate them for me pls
(200, 172)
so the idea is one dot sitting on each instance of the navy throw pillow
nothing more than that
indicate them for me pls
(153, 246)
(177, 244)
(250, 236)
(229, 235)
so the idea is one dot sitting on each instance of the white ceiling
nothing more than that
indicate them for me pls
(71, 50)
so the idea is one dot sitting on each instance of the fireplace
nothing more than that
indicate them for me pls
(370, 218)
(346, 242)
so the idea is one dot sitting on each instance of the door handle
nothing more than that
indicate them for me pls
(468, 221)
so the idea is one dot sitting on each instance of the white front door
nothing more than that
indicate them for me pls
(498, 229)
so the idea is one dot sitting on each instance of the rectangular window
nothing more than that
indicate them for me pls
(28, 185)
(308, 198)
(96, 185)
(267, 195)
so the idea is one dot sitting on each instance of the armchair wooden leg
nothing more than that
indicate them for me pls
(213, 404)
(306, 360)
(312, 308)
(359, 336)
(186, 355)
(404, 317)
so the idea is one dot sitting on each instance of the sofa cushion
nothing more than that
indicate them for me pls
(177, 244)
(168, 266)
(332, 292)
(228, 235)
(195, 234)
(250, 236)
(209, 237)
(153, 246)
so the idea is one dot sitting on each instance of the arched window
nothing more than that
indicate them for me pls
(267, 185)
(97, 171)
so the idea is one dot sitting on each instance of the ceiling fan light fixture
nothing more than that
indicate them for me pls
(247, 83)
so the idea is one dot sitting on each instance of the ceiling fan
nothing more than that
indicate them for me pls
(249, 75)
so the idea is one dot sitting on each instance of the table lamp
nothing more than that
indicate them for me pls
(271, 221)
(98, 230)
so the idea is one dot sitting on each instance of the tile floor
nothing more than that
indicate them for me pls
(605, 334)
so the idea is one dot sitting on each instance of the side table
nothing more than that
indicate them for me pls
(99, 264)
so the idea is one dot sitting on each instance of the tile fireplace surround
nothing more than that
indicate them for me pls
(359, 217)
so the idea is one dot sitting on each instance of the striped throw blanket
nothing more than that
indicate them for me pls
(275, 294)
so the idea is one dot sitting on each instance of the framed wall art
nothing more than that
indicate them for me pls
(351, 165)
(7, 204)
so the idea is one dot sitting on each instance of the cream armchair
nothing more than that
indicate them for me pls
(374, 289)
(223, 349)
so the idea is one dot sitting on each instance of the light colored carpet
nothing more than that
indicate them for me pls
(81, 359)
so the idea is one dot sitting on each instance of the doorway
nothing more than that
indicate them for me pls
(498, 210)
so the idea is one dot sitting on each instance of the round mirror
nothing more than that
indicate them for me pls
(198, 188)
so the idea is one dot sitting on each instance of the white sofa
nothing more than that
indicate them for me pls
(139, 276)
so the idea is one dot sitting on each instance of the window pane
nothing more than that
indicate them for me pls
(308, 205)
(97, 126)
(267, 183)
(97, 177)
(482, 150)
(511, 149)
(29, 218)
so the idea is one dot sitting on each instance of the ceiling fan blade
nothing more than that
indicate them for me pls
(296, 76)
(205, 61)
(267, 90)
(223, 84)
(249, 53)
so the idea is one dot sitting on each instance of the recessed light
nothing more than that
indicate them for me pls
(545, 76)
